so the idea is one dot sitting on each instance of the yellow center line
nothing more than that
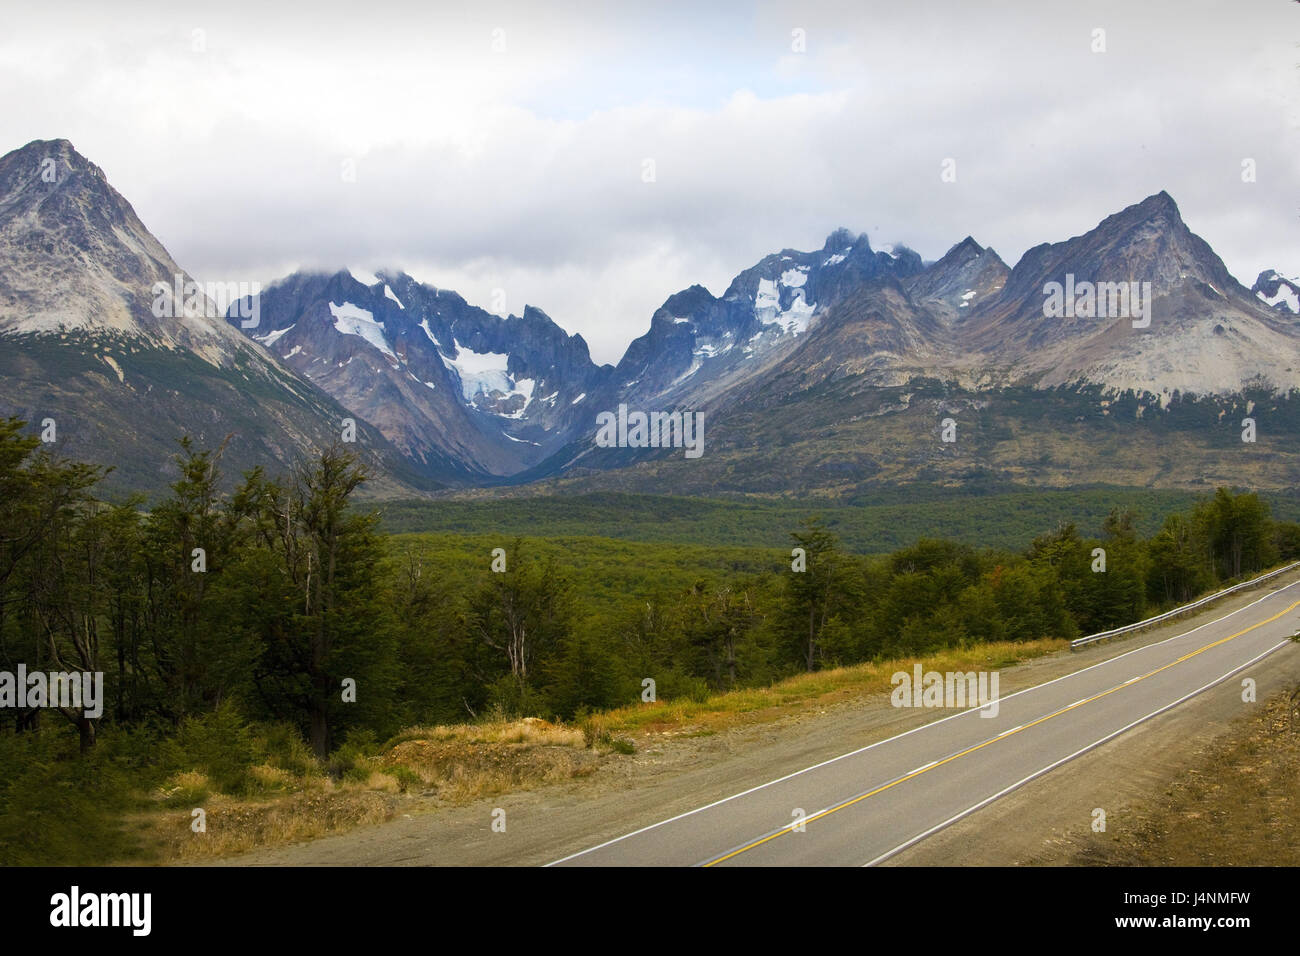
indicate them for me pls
(789, 828)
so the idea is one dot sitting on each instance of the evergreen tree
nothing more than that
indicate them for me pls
(813, 595)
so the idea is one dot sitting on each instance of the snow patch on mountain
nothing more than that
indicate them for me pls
(795, 278)
(479, 372)
(796, 318)
(766, 299)
(1286, 292)
(712, 351)
(484, 379)
(696, 365)
(353, 320)
(767, 308)
(272, 337)
(117, 369)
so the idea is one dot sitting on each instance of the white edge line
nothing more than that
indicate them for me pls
(933, 723)
(1097, 743)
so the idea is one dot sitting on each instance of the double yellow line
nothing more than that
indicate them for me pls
(789, 828)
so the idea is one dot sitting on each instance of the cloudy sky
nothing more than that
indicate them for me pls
(486, 146)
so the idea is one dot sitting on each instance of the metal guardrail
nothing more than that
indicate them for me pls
(1079, 642)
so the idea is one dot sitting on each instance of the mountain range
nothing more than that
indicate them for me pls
(822, 372)
(82, 343)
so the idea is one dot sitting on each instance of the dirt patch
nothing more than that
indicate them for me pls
(237, 826)
(426, 768)
(455, 772)
(1238, 806)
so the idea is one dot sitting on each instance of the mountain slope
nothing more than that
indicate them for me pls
(440, 378)
(123, 373)
(517, 397)
(702, 351)
(1206, 335)
(816, 372)
(699, 346)
(796, 328)
(862, 399)
(967, 276)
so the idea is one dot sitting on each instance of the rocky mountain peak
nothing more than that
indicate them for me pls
(842, 239)
(1278, 292)
(125, 371)
(74, 255)
(963, 251)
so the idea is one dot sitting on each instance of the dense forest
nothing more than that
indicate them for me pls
(281, 604)
(890, 517)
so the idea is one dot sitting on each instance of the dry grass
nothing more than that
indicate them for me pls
(530, 730)
(237, 825)
(455, 764)
(467, 761)
(818, 689)
(273, 778)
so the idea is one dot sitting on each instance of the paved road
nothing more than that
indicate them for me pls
(863, 807)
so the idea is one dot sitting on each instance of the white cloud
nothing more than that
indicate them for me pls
(522, 170)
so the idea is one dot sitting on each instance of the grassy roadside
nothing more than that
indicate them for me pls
(281, 801)
(424, 767)
(807, 691)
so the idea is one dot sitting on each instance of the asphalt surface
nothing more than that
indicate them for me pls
(864, 807)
